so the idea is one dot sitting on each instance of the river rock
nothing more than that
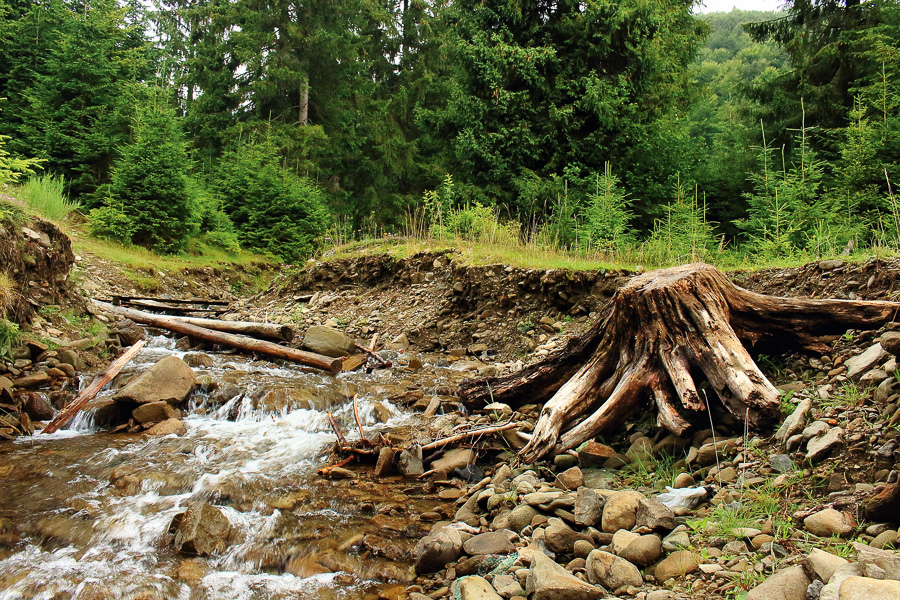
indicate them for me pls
(521, 517)
(34, 380)
(588, 507)
(570, 479)
(867, 588)
(549, 581)
(198, 360)
(168, 427)
(204, 529)
(441, 546)
(382, 413)
(594, 454)
(868, 360)
(885, 505)
(456, 458)
(493, 542)
(129, 333)
(643, 551)
(827, 523)
(654, 515)
(707, 453)
(683, 480)
(170, 380)
(384, 465)
(475, 587)
(823, 564)
(787, 584)
(821, 447)
(69, 357)
(878, 563)
(154, 412)
(890, 341)
(561, 538)
(37, 407)
(328, 341)
(410, 462)
(611, 571)
(620, 511)
(795, 422)
(508, 586)
(677, 564)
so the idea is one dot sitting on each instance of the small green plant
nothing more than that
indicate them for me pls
(787, 403)
(608, 214)
(525, 326)
(49, 310)
(9, 335)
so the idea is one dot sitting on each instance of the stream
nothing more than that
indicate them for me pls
(87, 514)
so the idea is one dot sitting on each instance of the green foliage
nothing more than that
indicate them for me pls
(273, 209)
(112, 223)
(9, 335)
(683, 234)
(46, 196)
(12, 168)
(608, 214)
(151, 181)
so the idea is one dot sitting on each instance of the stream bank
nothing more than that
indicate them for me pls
(345, 538)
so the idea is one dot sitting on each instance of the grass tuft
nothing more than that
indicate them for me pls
(45, 195)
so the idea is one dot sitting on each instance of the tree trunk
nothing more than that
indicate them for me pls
(240, 342)
(659, 332)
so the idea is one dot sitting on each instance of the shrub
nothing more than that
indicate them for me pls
(151, 182)
(111, 223)
(273, 209)
(608, 214)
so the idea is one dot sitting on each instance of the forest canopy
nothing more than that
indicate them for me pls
(589, 126)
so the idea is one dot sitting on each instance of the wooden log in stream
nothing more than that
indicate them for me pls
(241, 342)
(272, 331)
(72, 408)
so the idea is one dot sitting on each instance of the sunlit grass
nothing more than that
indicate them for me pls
(532, 256)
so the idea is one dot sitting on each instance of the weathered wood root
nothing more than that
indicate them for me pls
(660, 332)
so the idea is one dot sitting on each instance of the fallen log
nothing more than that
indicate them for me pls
(117, 299)
(271, 331)
(72, 408)
(241, 342)
(659, 333)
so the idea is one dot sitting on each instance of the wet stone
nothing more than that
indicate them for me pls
(203, 530)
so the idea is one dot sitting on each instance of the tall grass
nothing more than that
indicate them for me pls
(45, 195)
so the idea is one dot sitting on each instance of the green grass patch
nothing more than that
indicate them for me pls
(45, 195)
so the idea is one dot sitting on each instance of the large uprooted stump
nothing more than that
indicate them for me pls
(660, 332)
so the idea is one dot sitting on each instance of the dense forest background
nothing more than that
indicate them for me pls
(591, 126)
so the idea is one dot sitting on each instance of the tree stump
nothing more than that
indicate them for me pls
(660, 332)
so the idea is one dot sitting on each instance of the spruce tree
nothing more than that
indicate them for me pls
(150, 180)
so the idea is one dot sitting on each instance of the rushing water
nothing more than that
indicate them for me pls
(86, 514)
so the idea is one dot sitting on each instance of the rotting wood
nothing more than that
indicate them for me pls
(72, 408)
(330, 468)
(468, 434)
(661, 331)
(183, 308)
(384, 363)
(240, 342)
(362, 435)
(337, 431)
(272, 331)
(118, 299)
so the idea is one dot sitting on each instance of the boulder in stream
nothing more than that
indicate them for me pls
(169, 380)
(328, 341)
(203, 529)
